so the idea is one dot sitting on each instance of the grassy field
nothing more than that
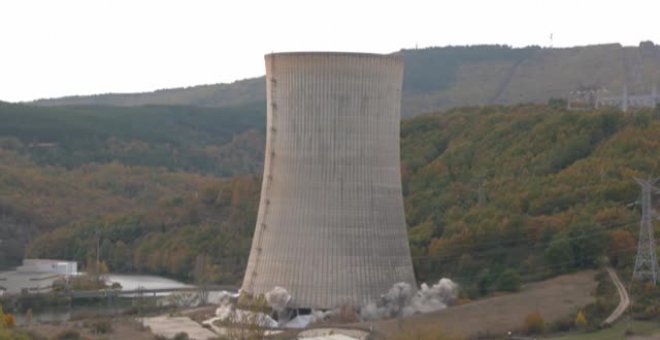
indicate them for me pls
(640, 330)
(554, 299)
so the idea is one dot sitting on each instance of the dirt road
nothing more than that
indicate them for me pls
(624, 299)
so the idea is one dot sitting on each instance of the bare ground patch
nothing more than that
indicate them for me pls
(554, 298)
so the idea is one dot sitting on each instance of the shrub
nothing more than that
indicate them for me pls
(102, 326)
(561, 325)
(9, 321)
(581, 321)
(69, 334)
(509, 281)
(181, 336)
(534, 323)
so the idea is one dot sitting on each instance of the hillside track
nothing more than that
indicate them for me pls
(624, 299)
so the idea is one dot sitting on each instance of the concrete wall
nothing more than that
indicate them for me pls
(331, 227)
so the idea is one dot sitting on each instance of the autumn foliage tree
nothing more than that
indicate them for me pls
(621, 248)
(534, 323)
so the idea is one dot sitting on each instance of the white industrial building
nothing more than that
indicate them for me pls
(36, 276)
(58, 267)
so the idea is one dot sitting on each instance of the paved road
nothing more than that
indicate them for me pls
(624, 299)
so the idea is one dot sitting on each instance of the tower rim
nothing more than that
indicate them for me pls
(331, 53)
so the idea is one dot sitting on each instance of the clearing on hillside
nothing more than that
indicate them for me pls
(555, 299)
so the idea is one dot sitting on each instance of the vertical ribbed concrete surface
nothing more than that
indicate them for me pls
(331, 228)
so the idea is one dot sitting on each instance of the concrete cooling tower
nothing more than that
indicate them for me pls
(330, 227)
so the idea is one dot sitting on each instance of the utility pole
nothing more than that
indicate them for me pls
(624, 98)
(646, 264)
(481, 194)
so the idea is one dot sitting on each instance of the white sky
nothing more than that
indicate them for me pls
(54, 48)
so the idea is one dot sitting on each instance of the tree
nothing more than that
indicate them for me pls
(509, 281)
(120, 259)
(204, 273)
(559, 254)
(622, 245)
(588, 243)
(7, 322)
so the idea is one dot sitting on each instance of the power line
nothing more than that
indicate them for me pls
(539, 267)
(472, 245)
(529, 276)
(485, 252)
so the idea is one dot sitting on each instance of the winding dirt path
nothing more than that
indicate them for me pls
(624, 299)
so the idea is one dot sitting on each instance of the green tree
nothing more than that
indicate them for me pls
(509, 281)
(559, 254)
(588, 243)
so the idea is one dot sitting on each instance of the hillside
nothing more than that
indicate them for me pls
(491, 194)
(220, 141)
(440, 78)
(532, 189)
(217, 95)
(148, 219)
(529, 188)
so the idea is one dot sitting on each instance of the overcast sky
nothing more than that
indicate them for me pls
(66, 47)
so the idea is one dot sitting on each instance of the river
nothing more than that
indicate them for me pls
(133, 282)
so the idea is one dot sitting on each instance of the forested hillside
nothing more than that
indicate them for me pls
(216, 95)
(219, 141)
(440, 78)
(490, 193)
(528, 191)
(149, 219)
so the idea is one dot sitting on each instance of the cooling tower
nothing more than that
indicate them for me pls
(331, 228)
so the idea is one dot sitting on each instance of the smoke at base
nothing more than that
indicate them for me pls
(278, 298)
(400, 300)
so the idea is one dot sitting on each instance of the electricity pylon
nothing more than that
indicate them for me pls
(646, 264)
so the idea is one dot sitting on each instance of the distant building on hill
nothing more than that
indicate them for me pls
(588, 99)
(585, 98)
(627, 101)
